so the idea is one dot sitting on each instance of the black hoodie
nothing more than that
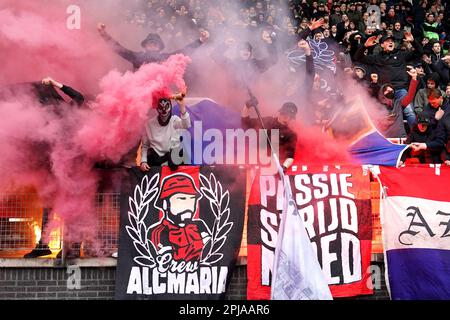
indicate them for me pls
(390, 66)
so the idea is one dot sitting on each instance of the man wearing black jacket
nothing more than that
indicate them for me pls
(423, 132)
(442, 67)
(390, 65)
(441, 139)
(76, 97)
(286, 114)
(153, 46)
(47, 95)
(246, 68)
(287, 137)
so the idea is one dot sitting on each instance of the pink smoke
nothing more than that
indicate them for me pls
(121, 109)
(35, 42)
(32, 135)
(56, 154)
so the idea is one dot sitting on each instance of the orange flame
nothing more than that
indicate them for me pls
(37, 232)
(54, 237)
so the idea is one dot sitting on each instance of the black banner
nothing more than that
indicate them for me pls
(180, 232)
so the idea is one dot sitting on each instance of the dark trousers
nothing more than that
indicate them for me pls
(154, 159)
(45, 214)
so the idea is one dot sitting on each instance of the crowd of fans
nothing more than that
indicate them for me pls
(395, 50)
(398, 50)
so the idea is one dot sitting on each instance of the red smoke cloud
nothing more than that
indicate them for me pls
(121, 109)
(35, 42)
(56, 153)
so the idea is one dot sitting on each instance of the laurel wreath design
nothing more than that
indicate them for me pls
(144, 195)
(219, 203)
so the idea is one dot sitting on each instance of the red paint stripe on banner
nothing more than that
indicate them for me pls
(417, 181)
(255, 194)
(255, 291)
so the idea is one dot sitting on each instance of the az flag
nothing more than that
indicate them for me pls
(415, 216)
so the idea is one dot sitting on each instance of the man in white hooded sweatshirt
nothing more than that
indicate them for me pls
(162, 135)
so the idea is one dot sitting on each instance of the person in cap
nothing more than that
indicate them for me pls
(422, 132)
(179, 232)
(287, 137)
(440, 139)
(152, 45)
(390, 63)
(161, 142)
(391, 66)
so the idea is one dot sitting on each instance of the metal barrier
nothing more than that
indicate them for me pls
(108, 212)
(18, 212)
(21, 224)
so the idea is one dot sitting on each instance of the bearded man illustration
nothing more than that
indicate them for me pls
(178, 230)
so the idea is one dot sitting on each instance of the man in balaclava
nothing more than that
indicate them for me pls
(393, 126)
(161, 142)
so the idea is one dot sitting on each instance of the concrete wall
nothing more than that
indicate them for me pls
(35, 282)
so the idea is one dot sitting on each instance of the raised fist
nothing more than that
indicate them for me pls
(101, 27)
(304, 45)
(374, 77)
(204, 36)
(47, 81)
(371, 41)
(266, 36)
(412, 73)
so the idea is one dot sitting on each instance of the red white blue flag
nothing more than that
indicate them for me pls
(415, 216)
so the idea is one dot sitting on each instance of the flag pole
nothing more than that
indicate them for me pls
(325, 293)
(274, 155)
